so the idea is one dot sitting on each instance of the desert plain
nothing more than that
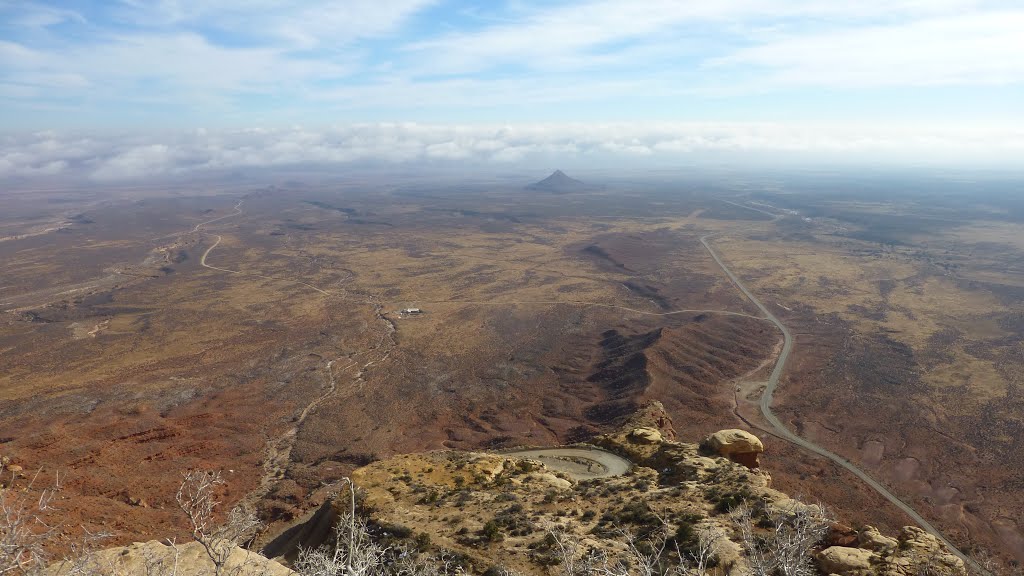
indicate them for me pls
(288, 333)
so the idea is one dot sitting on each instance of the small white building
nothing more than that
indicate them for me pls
(410, 311)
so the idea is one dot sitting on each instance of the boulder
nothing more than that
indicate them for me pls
(790, 506)
(870, 538)
(645, 436)
(841, 535)
(551, 480)
(844, 561)
(737, 445)
(488, 466)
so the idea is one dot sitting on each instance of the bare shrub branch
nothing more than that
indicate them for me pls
(353, 553)
(24, 529)
(784, 548)
(197, 499)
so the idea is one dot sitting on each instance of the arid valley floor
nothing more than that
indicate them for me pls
(257, 329)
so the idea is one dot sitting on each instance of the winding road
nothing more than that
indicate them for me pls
(579, 463)
(568, 459)
(238, 210)
(786, 434)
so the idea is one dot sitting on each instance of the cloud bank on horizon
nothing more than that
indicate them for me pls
(501, 81)
(184, 153)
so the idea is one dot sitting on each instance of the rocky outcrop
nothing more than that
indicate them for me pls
(844, 561)
(871, 539)
(157, 558)
(646, 435)
(502, 509)
(737, 445)
(913, 552)
(652, 416)
(917, 549)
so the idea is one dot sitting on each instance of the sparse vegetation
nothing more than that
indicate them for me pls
(784, 547)
(206, 350)
(197, 498)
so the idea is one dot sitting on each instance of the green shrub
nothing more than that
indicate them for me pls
(491, 532)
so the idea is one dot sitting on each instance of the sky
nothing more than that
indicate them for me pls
(122, 88)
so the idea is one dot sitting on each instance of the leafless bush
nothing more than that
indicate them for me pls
(786, 546)
(197, 498)
(24, 529)
(706, 554)
(353, 553)
(569, 552)
(405, 562)
(985, 564)
(28, 529)
(657, 555)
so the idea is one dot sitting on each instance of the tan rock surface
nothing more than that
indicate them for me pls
(737, 445)
(871, 539)
(917, 550)
(646, 435)
(844, 561)
(157, 558)
(727, 442)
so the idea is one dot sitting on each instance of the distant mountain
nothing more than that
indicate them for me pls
(558, 182)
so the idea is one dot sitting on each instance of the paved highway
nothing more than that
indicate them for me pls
(782, 431)
(580, 463)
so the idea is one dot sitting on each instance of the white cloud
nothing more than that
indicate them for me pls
(188, 54)
(134, 157)
(591, 34)
(33, 15)
(337, 23)
(138, 162)
(237, 62)
(16, 56)
(982, 48)
(299, 25)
